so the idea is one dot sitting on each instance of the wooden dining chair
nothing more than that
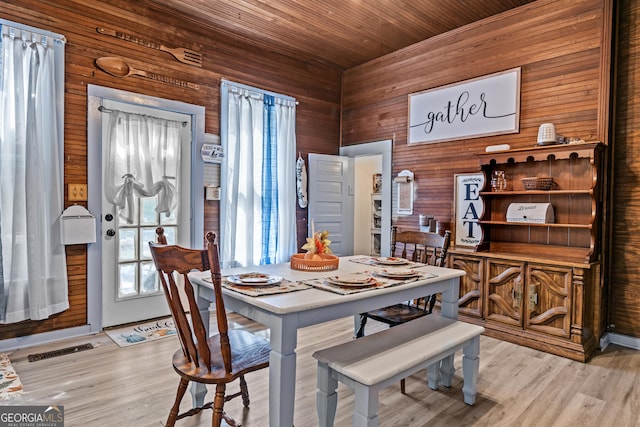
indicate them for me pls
(416, 246)
(218, 359)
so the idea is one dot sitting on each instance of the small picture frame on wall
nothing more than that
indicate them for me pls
(405, 192)
(468, 209)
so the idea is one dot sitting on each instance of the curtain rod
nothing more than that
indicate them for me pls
(10, 26)
(104, 109)
(232, 84)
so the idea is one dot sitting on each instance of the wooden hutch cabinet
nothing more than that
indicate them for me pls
(539, 283)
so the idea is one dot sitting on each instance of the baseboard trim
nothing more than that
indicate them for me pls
(44, 338)
(623, 340)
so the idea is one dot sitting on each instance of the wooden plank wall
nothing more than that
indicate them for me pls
(559, 45)
(316, 87)
(624, 266)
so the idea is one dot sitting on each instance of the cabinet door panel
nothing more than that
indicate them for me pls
(470, 301)
(548, 300)
(504, 289)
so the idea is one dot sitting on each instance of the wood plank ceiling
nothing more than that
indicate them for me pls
(340, 33)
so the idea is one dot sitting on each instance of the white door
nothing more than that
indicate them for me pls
(331, 181)
(130, 288)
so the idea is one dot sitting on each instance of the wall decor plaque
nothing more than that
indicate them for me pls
(469, 208)
(487, 105)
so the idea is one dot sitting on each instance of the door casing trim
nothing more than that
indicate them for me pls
(385, 148)
(94, 250)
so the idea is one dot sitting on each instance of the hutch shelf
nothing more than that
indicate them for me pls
(540, 284)
(376, 223)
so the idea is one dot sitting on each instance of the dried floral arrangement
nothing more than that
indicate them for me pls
(317, 245)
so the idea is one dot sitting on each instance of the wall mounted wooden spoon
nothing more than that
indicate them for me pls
(118, 67)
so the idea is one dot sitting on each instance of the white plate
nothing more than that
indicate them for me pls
(354, 278)
(254, 279)
(333, 280)
(391, 261)
(397, 274)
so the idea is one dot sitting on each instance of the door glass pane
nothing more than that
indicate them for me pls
(148, 214)
(127, 244)
(127, 274)
(148, 278)
(146, 235)
(122, 222)
(171, 219)
(170, 233)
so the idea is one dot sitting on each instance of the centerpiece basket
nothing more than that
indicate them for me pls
(318, 256)
(326, 263)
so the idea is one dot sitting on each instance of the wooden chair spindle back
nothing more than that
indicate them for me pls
(171, 260)
(417, 246)
(221, 314)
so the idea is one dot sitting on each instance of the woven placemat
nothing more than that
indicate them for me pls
(372, 261)
(256, 291)
(380, 282)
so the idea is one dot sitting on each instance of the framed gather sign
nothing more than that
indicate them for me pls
(487, 105)
(469, 208)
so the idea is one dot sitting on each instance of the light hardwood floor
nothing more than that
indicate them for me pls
(517, 386)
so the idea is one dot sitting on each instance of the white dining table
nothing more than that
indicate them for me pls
(285, 313)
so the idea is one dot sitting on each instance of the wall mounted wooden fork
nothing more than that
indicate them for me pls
(183, 55)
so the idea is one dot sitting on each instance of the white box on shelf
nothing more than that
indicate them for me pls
(534, 213)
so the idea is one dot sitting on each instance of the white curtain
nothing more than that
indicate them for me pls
(258, 215)
(143, 160)
(287, 196)
(33, 265)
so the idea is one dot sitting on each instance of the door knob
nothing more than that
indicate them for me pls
(111, 232)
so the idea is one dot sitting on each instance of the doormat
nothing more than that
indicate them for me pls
(10, 385)
(143, 332)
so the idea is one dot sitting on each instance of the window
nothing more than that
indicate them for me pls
(258, 192)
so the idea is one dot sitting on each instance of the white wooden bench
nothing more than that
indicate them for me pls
(371, 363)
